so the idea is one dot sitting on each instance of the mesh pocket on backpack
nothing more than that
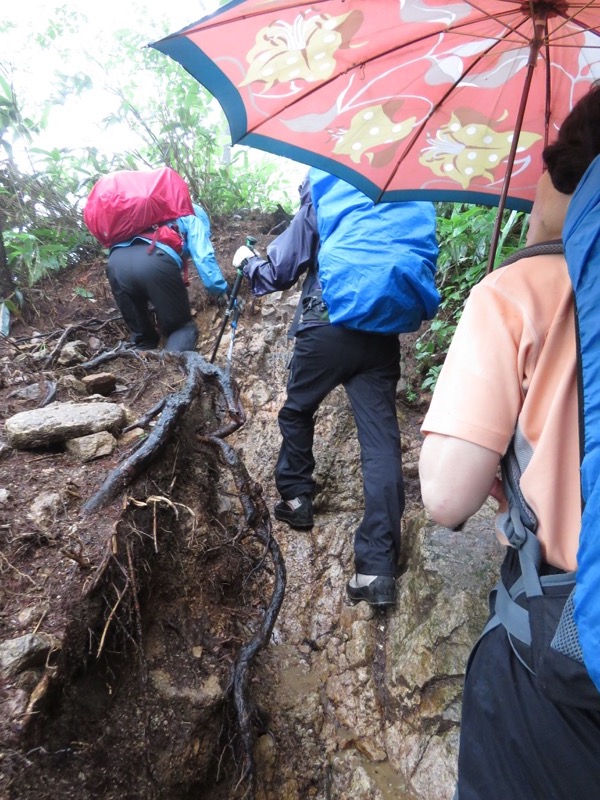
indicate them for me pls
(566, 638)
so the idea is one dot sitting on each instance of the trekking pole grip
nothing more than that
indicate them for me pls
(250, 242)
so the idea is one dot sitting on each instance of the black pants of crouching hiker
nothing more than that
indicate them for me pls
(138, 278)
(368, 367)
(515, 743)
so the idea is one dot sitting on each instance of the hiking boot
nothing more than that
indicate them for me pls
(298, 513)
(377, 590)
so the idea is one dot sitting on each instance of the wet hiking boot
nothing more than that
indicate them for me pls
(377, 590)
(298, 513)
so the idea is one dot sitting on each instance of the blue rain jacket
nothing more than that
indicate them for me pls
(373, 264)
(581, 237)
(195, 231)
(377, 263)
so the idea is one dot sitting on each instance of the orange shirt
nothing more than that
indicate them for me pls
(511, 370)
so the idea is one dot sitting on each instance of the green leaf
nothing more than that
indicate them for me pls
(81, 292)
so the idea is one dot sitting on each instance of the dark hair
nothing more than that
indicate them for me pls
(578, 143)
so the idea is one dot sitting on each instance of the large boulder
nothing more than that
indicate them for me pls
(59, 422)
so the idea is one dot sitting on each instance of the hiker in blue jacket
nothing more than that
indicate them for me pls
(370, 274)
(142, 271)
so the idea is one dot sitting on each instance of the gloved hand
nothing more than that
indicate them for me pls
(242, 254)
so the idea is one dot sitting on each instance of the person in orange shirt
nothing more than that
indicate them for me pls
(509, 383)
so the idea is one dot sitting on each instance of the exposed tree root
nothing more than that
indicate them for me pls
(259, 524)
(199, 371)
(256, 515)
(148, 416)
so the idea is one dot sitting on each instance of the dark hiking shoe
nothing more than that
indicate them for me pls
(379, 592)
(144, 344)
(298, 513)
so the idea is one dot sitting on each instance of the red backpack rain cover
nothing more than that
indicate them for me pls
(126, 203)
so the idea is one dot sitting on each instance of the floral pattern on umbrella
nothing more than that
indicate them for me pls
(370, 129)
(466, 151)
(304, 49)
(405, 99)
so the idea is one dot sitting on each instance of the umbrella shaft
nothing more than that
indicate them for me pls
(539, 29)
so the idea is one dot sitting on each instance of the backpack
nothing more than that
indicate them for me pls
(132, 203)
(581, 236)
(376, 263)
(553, 620)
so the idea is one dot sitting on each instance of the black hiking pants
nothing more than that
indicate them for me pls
(515, 743)
(368, 367)
(138, 278)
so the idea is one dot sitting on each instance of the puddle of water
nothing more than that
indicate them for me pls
(387, 780)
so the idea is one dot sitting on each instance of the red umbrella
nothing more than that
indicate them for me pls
(405, 99)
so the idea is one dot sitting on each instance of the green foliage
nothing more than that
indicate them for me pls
(183, 127)
(239, 184)
(31, 255)
(464, 235)
(177, 123)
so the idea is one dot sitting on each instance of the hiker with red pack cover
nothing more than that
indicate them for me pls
(151, 227)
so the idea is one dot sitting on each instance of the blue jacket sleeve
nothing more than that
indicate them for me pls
(198, 247)
(288, 256)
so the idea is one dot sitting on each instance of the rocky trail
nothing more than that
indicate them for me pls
(160, 635)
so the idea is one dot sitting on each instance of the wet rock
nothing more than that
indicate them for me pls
(25, 652)
(71, 383)
(61, 421)
(371, 700)
(130, 415)
(31, 392)
(45, 509)
(208, 692)
(442, 609)
(411, 469)
(95, 445)
(94, 343)
(73, 353)
(359, 650)
(103, 383)
(30, 615)
(133, 435)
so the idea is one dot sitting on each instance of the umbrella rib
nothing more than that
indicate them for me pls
(437, 105)
(547, 110)
(540, 37)
(565, 17)
(574, 19)
(510, 30)
(485, 14)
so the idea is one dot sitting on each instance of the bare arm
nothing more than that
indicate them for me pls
(456, 478)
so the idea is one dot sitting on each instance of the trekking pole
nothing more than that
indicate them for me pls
(232, 311)
(234, 322)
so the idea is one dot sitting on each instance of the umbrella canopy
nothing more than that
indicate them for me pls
(405, 99)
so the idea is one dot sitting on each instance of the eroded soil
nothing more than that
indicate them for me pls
(146, 604)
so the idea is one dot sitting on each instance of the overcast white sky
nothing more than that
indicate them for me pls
(78, 122)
